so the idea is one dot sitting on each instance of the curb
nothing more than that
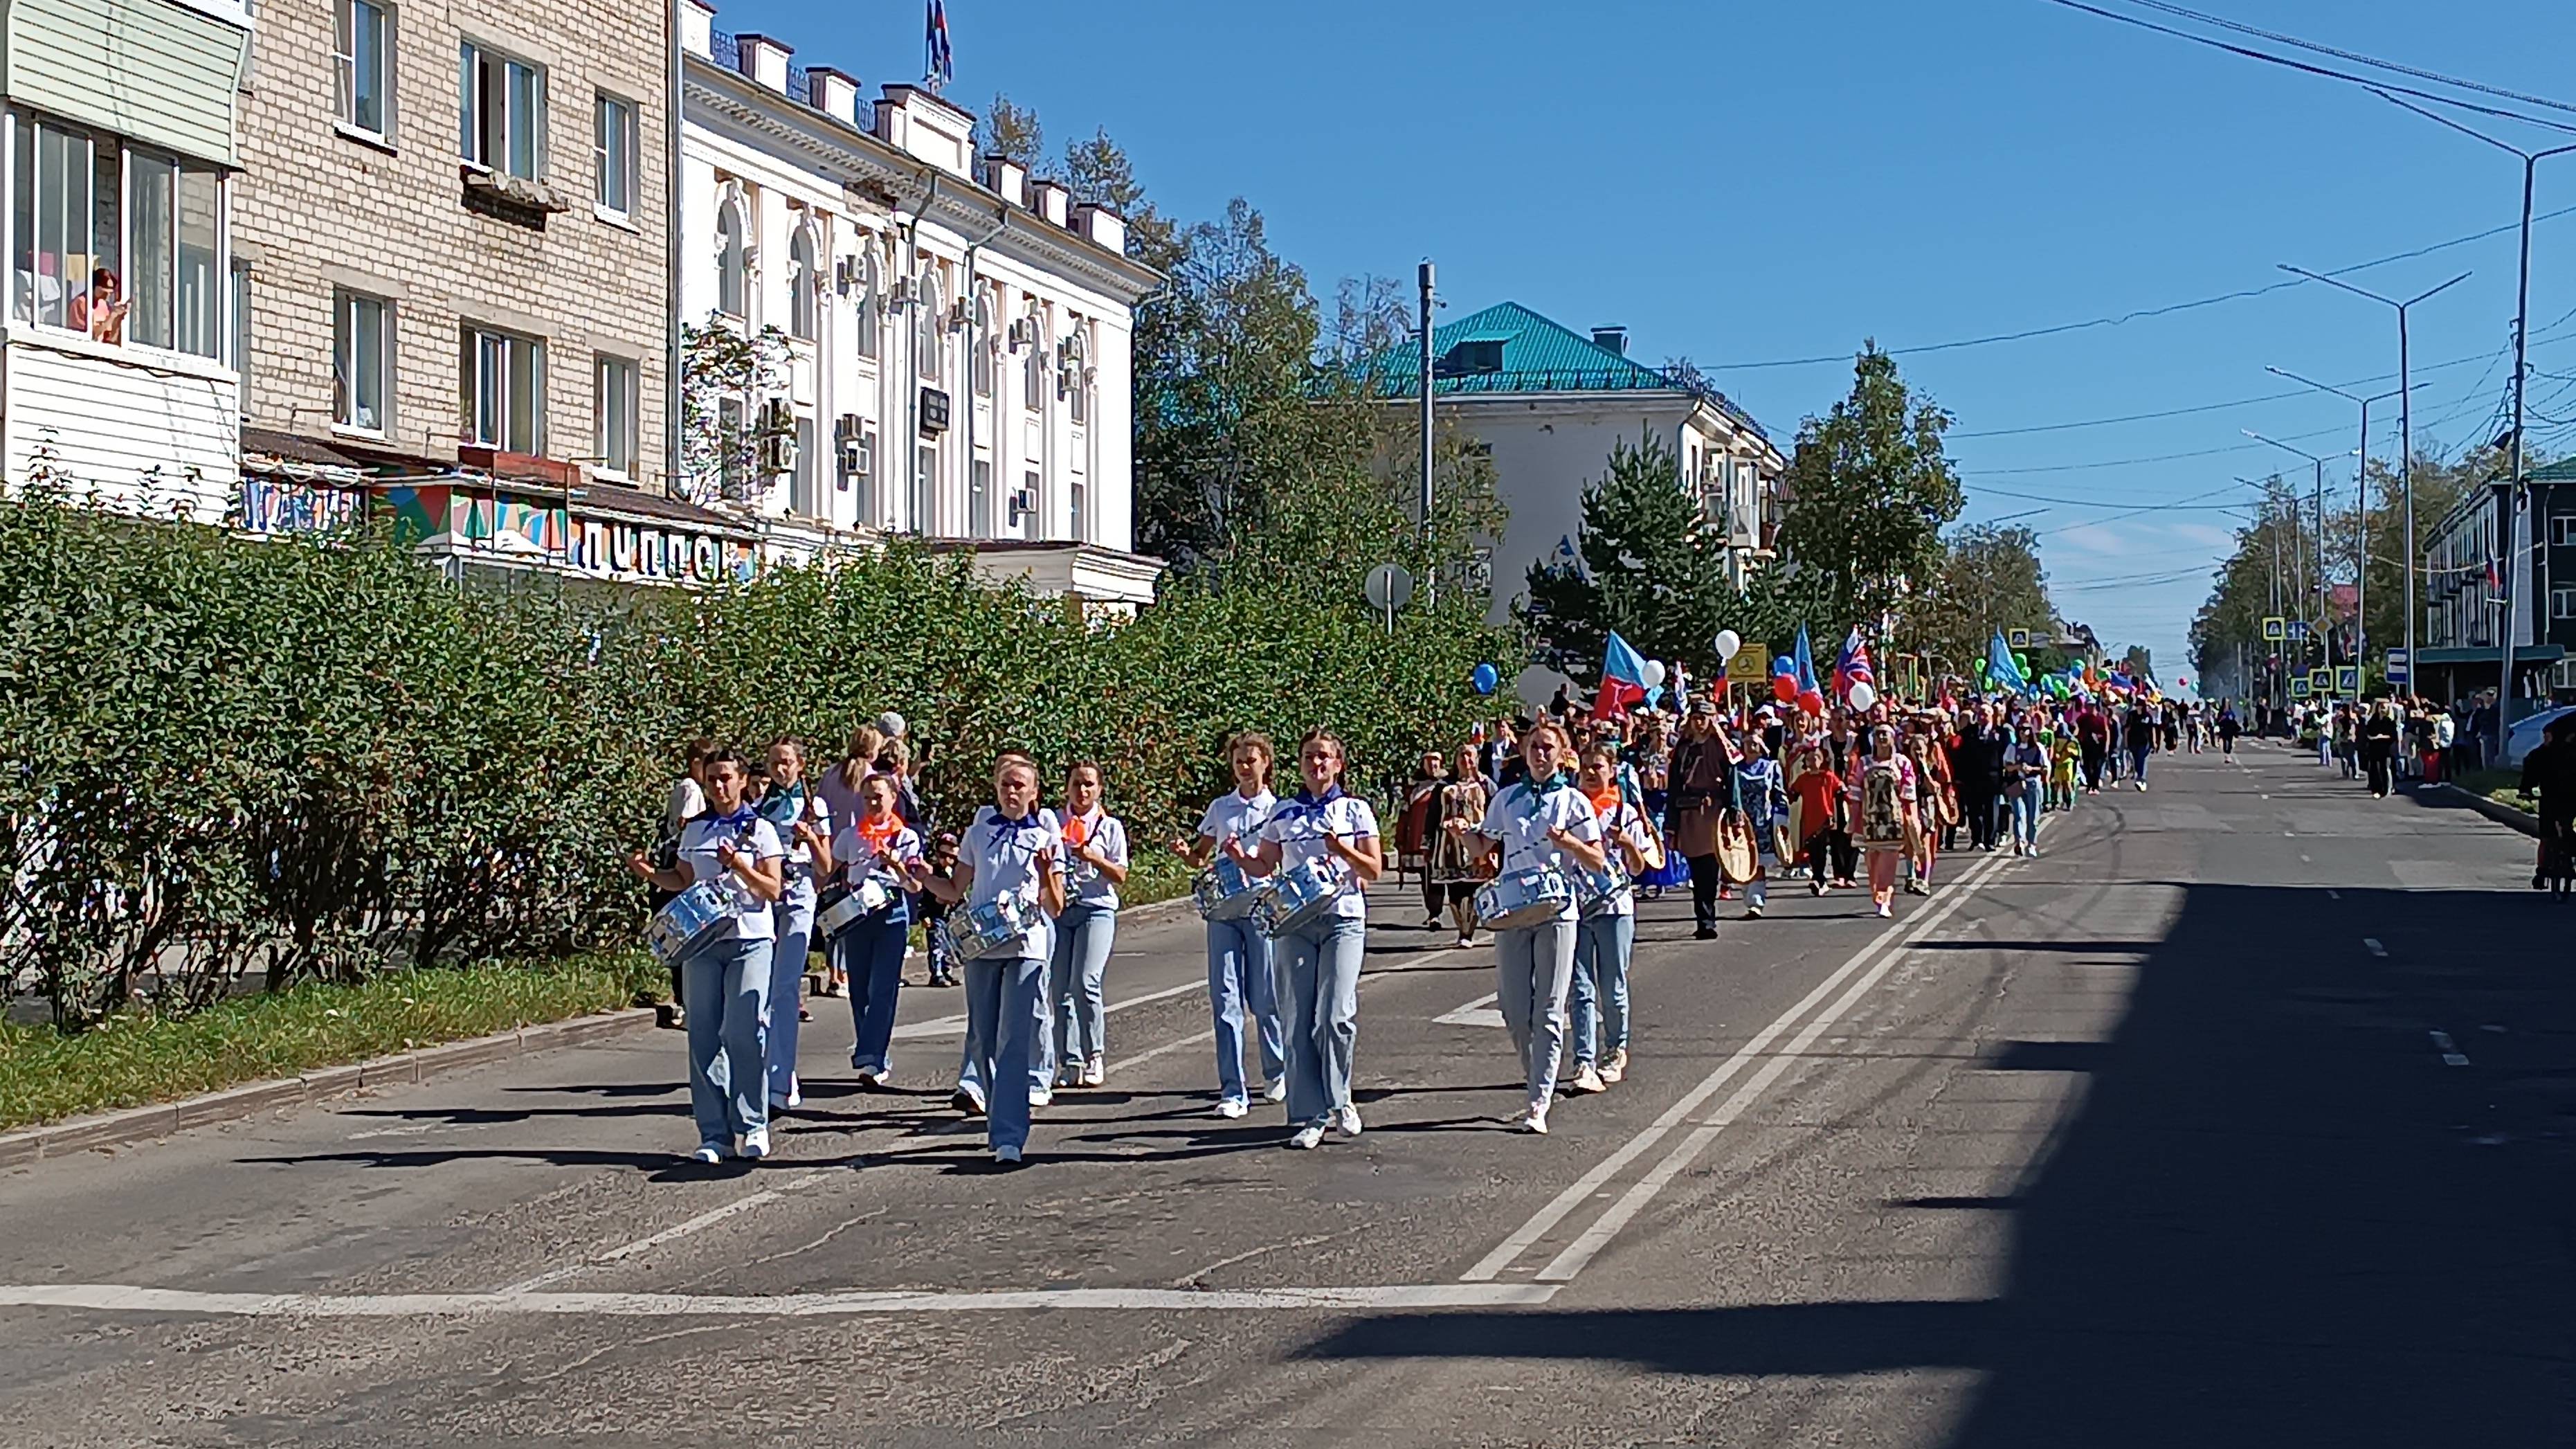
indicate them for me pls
(161, 1119)
(2495, 810)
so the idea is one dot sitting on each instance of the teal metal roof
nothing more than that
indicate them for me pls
(1536, 355)
(2562, 471)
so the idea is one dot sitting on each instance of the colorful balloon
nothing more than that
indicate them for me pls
(1862, 696)
(1486, 678)
(1653, 674)
(1728, 642)
(1784, 687)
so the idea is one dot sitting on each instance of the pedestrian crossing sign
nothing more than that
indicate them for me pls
(2298, 686)
(2321, 680)
(2275, 629)
(2348, 679)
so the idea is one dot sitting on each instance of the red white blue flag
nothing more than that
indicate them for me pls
(941, 64)
(1852, 665)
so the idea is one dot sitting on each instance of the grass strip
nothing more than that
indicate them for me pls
(138, 1058)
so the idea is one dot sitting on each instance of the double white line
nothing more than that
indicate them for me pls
(1885, 950)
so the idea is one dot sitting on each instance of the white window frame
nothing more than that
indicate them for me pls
(2562, 530)
(478, 431)
(616, 396)
(2562, 601)
(986, 359)
(616, 174)
(344, 68)
(477, 65)
(929, 329)
(1032, 522)
(117, 246)
(733, 258)
(1033, 373)
(869, 283)
(345, 305)
(922, 507)
(804, 284)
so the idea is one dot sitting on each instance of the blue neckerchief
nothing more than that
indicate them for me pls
(1310, 803)
(782, 804)
(1014, 824)
(741, 818)
(1541, 789)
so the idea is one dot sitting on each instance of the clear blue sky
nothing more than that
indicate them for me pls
(1746, 182)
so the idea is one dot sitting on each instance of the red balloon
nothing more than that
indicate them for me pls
(1784, 688)
(1813, 702)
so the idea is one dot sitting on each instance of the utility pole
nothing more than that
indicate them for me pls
(1426, 412)
(2361, 519)
(2318, 460)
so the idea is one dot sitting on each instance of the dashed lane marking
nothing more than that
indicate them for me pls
(2452, 1056)
(2371, 944)
(117, 1298)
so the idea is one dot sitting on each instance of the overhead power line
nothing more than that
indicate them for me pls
(2356, 57)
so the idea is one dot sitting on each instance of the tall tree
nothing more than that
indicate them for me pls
(1012, 132)
(1873, 491)
(1989, 578)
(1653, 570)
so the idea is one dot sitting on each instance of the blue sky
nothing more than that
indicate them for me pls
(1742, 183)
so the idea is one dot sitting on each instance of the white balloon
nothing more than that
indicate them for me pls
(1728, 641)
(890, 725)
(1654, 673)
(1862, 696)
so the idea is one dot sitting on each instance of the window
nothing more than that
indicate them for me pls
(2562, 530)
(979, 499)
(803, 286)
(1077, 381)
(362, 56)
(501, 112)
(925, 484)
(199, 255)
(503, 387)
(612, 155)
(362, 340)
(858, 464)
(1033, 386)
(732, 287)
(2562, 602)
(75, 220)
(1027, 505)
(805, 486)
(1078, 495)
(54, 225)
(730, 431)
(871, 298)
(926, 328)
(613, 385)
(982, 366)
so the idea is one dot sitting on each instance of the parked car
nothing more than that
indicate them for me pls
(2525, 734)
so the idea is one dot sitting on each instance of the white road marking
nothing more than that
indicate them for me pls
(1479, 1012)
(116, 1298)
(702, 1221)
(2371, 944)
(956, 1025)
(2452, 1056)
(1584, 1188)
(2334, 895)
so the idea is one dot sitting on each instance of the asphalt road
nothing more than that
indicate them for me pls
(2240, 1117)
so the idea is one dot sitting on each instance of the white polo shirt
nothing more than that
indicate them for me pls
(747, 833)
(1299, 826)
(1005, 855)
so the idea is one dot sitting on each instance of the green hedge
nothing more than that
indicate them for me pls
(307, 758)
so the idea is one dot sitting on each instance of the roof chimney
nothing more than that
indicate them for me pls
(1613, 338)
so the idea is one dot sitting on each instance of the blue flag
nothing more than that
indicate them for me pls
(2001, 671)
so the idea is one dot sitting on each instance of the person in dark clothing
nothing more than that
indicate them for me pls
(2379, 747)
(2549, 772)
(1978, 766)
(1703, 790)
(1844, 751)
(2093, 743)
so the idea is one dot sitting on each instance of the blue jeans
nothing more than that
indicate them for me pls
(1083, 935)
(1319, 965)
(1535, 968)
(870, 953)
(1005, 1022)
(1599, 1003)
(795, 925)
(2024, 796)
(726, 983)
(2138, 766)
(1239, 980)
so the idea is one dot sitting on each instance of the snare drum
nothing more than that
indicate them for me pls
(1299, 895)
(691, 919)
(843, 905)
(1531, 897)
(1225, 892)
(998, 928)
(1597, 892)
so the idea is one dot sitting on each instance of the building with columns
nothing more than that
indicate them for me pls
(956, 333)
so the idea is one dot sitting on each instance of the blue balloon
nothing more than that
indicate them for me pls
(1783, 665)
(1486, 678)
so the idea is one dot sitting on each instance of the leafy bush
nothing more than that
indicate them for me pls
(310, 757)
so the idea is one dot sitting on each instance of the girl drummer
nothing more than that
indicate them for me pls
(875, 848)
(1883, 795)
(1095, 865)
(803, 822)
(726, 978)
(1329, 830)
(1238, 955)
(1541, 822)
(1605, 938)
(1010, 851)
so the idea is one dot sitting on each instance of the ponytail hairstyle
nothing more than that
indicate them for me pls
(865, 742)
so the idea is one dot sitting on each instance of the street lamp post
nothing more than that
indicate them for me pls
(2360, 520)
(2513, 491)
(2326, 644)
(2405, 433)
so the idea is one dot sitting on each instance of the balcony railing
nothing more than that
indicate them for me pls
(800, 85)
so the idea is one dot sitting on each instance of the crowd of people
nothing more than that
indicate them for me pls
(1539, 836)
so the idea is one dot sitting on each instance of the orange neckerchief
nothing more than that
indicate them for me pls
(876, 837)
(1604, 804)
(1077, 830)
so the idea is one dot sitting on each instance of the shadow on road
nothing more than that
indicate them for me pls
(2275, 1216)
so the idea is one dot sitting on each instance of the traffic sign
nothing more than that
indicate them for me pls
(2399, 667)
(1748, 666)
(2298, 628)
(2321, 680)
(2275, 629)
(2019, 638)
(2298, 686)
(1389, 586)
(2348, 680)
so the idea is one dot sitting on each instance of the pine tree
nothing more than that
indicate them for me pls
(1653, 571)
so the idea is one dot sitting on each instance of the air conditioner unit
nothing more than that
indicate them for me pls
(777, 438)
(1024, 501)
(848, 426)
(845, 274)
(1024, 332)
(959, 314)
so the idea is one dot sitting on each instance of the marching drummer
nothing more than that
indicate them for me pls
(1542, 823)
(875, 849)
(737, 854)
(1010, 852)
(803, 822)
(1605, 937)
(1328, 830)
(1238, 955)
(1095, 865)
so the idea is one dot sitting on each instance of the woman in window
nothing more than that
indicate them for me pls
(100, 311)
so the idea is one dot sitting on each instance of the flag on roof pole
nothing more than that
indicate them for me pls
(1852, 666)
(941, 66)
(1623, 679)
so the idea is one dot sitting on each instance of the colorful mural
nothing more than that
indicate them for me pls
(269, 506)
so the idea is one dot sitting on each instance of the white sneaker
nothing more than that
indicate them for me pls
(1276, 1092)
(870, 1077)
(1041, 1096)
(1535, 1119)
(1069, 1074)
(1587, 1078)
(1095, 1072)
(967, 1100)
(1615, 1068)
(1232, 1108)
(1006, 1154)
(709, 1153)
(755, 1143)
(1346, 1121)
(1885, 911)
(1310, 1135)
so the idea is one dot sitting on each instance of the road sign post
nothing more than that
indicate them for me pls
(2401, 668)
(1389, 587)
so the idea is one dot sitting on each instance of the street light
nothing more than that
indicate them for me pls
(2405, 433)
(2319, 459)
(2360, 520)
(2521, 351)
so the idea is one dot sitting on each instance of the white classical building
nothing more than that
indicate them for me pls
(958, 333)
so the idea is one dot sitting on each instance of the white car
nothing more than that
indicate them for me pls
(2525, 733)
